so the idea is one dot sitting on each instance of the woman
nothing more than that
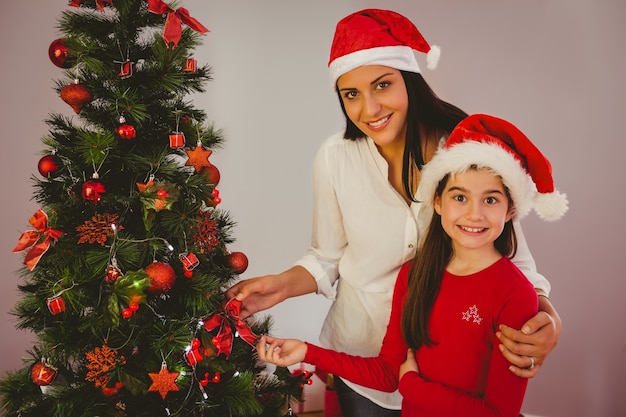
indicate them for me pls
(365, 216)
(461, 284)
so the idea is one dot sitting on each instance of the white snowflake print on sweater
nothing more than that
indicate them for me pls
(472, 315)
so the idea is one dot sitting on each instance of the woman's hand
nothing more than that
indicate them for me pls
(281, 352)
(260, 293)
(257, 294)
(409, 364)
(528, 348)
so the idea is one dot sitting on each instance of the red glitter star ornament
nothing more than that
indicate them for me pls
(163, 381)
(198, 158)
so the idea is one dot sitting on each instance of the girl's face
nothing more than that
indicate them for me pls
(376, 101)
(473, 208)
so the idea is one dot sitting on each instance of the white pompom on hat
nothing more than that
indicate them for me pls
(489, 142)
(378, 37)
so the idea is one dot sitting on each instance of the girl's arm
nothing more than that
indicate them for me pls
(380, 372)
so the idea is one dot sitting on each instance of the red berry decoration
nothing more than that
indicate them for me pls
(49, 165)
(162, 277)
(238, 261)
(76, 95)
(59, 54)
(42, 374)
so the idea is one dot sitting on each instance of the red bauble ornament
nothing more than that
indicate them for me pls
(238, 261)
(48, 165)
(162, 277)
(212, 174)
(59, 54)
(126, 131)
(42, 374)
(92, 191)
(76, 95)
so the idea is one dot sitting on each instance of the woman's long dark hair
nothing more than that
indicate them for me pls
(427, 272)
(427, 115)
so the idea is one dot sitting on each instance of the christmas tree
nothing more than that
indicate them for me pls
(127, 260)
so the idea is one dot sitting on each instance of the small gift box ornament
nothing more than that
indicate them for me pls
(126, 69)
(177, 140)
(56, 304)
(193, 356)
(189, 260)
(190, 65)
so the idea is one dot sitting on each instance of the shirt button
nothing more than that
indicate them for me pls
(410, 246)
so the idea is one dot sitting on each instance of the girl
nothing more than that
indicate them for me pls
(461, 286)
(365, 222)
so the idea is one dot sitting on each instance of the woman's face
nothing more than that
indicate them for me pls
(376, 101)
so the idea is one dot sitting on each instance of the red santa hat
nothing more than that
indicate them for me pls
(489, 142)
(377, 37)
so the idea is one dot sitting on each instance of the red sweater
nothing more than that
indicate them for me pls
(464, 373)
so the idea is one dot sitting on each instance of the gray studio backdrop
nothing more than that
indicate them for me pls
(555, 68)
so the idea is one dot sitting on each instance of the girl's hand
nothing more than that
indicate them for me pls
(281, 352)
(409, 364)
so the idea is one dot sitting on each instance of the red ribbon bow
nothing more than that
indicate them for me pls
(99, 3)
(29, 239)
(224, 320)
(173, 29)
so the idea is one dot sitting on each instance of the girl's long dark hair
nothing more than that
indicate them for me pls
(427, 115)
(427, 272)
